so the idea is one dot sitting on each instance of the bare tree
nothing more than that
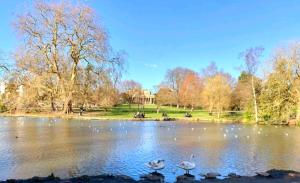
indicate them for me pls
(210, 70)
(59, 39)
(131, 90)
(174, 79)
(251, 57)
(190, 91)
(3, 65)
(216, 92)
(164, 96)
(294, 60)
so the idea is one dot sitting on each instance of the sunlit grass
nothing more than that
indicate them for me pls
(126, 112)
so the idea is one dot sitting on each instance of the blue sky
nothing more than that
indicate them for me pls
(162, 34)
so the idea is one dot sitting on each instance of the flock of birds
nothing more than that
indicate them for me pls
(160, 164)
(187, 166)
(227, 131)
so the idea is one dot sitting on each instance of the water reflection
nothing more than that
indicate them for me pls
(39, 146)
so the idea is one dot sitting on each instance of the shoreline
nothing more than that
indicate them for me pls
(274, 176)
(90, 117)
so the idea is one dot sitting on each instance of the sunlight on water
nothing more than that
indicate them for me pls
(39, 146)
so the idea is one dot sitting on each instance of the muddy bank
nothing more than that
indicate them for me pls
(274, 176)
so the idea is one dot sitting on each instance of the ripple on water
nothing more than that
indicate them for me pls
(77, 147)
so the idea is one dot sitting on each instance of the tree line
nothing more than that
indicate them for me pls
(273, 97)
(64, 60)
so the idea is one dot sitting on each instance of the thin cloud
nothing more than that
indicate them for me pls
(154, 66)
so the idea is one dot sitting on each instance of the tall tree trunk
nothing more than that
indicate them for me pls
(69, 95)
(210, 109)
(254, 99)
(68, 104)
(52, 105)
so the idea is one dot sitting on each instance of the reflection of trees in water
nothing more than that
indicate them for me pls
(205, 141)
(267, 147)
(47, 146)
(177, 141)
(279, 148)
(42, 146)
(102, 141)
(71, 148)
(7, 146)
(134, 144)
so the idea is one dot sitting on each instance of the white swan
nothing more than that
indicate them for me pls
(187, 165)
(156, 164)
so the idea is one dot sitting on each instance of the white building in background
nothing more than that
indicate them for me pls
(141, 96)
(149, 98)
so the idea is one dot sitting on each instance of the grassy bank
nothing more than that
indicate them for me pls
(125, 112)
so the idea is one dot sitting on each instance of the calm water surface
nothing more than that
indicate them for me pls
(73, 147)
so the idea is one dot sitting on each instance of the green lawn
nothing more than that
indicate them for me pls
(126, 112)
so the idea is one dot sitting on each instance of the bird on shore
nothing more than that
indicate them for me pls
(156, 165)
(187, 165)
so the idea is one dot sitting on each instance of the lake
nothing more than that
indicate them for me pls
(39, 146)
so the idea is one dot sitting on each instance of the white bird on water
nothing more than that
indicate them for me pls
(187, 165)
